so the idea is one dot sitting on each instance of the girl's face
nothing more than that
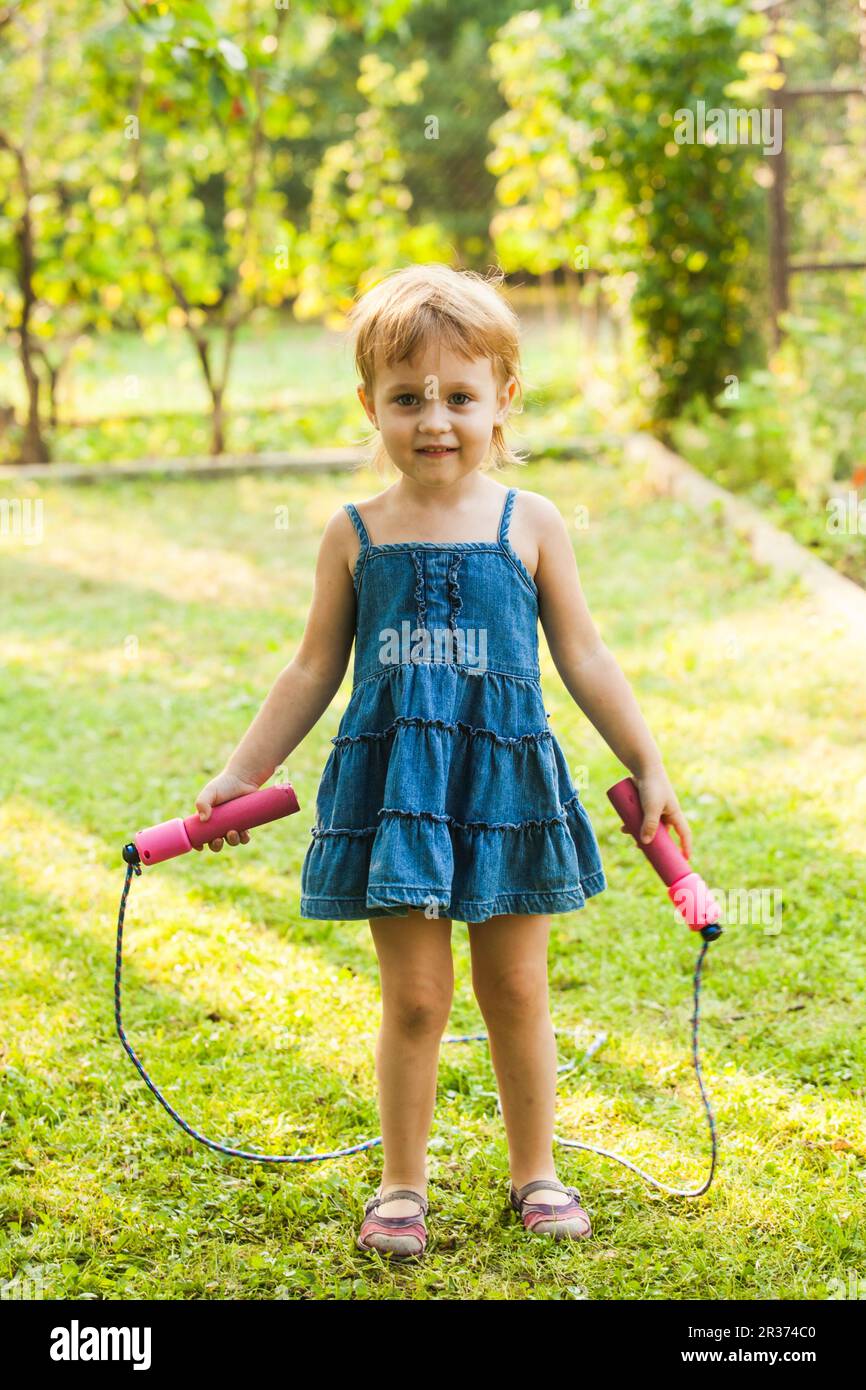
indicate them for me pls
(436, 414)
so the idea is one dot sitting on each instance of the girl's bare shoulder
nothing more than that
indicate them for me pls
(535, 509)
(534, 520)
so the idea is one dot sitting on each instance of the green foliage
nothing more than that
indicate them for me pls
(691, 209)
(799, 425)
(535, 143)
(588, 151)
(199, 164)
(198, 102)
(67, 254)
(359, 229)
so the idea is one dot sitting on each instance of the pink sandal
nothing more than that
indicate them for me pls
(565, 1221)
(403, 1237)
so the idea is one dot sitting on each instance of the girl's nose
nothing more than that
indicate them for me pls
(435, 417)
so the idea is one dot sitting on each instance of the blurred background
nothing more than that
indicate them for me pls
(192, 194)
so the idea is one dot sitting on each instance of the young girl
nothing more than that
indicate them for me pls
(446, 795)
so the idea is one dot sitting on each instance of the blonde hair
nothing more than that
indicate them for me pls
(432, 301)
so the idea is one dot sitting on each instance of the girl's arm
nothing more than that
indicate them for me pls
(305, 688)
(592, 675)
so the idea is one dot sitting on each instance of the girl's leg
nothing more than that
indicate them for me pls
(509, 977)
(417, 980)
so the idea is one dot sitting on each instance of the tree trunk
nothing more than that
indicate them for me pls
(53, 383)
(217, 440)
(33, 448)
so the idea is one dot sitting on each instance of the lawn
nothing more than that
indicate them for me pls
(138, 640)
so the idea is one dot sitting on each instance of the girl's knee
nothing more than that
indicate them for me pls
(512, 992)
(418, 1012)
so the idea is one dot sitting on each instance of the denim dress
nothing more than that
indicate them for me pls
(445, 789)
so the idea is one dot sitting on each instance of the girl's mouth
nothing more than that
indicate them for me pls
(436, 452)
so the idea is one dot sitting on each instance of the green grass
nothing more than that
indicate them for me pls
(138, 640)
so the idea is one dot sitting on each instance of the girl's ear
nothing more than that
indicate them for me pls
(506, 395)
(362, 397)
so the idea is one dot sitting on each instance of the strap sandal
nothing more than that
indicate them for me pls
(402, 1237)
(566, 1221)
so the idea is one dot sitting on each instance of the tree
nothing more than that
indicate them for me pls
(605, 84)
(193, 109)
(359, 228)
(49, 153)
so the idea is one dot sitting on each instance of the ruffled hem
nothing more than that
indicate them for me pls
(435, 740)
(419, 721)
(440, 690)
(396, 901)
(467, 870)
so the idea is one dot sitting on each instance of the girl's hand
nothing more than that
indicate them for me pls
(225, 787)
(658, 801)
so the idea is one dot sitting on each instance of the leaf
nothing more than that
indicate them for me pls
(217, 89)
(234, 56)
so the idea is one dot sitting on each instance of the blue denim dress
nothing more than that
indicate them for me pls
(445, 789)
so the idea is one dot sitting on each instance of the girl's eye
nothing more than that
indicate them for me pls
(408, 396)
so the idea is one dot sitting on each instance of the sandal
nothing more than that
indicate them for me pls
(564, 1221)
(403, 1237)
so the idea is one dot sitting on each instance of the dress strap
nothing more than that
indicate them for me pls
(364, 548)
(506, 515)
(357, 523)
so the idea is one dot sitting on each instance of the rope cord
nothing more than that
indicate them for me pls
(132, 868)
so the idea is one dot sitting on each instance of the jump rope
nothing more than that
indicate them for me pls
(686, 890)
